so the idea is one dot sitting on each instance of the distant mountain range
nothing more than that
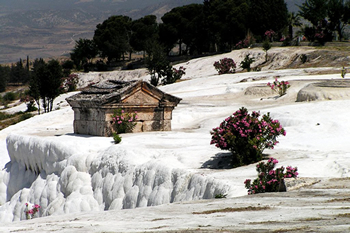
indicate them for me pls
(49, 28)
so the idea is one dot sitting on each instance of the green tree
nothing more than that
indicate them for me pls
(19, 73)
(267, 14)
(293, 21)
(83, 53)
(168, 36)
(4, 77)
(174, 26)
(338, 12)
(39, 67)
(157, 63)
(195, 33)
(52, 83)
(226, 22)
(46, 82)
(184, 26)
(314, 11)
(144, 32)
(112, 37)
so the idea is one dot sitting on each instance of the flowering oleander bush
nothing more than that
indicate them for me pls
(225, 66)
(248, 41)
(178, 73)
(173, 75)
(69, 83)
(243, 44)
(270, 180)
(124, 122)
(270, 34)
(279, 86)
(31, 211)
(287, 41)
(246, 136)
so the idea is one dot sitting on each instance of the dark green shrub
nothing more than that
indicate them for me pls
(266, 47)
(31, 106)
(117, 138)
(9, 96)
(245, 64)
(303, 58)
(68, 64)
(25, 116)
(220, 195)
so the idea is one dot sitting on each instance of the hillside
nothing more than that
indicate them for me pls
(42, 29)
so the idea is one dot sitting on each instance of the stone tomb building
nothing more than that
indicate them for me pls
(94, 106)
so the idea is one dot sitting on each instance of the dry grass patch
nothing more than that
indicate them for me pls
(239, 209)
(346, 215)
(297, 229)
(265, 222)
(159, 227)
(159, 219)
(312, 219)
(339, 200)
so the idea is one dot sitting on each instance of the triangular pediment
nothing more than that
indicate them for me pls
(140, 97)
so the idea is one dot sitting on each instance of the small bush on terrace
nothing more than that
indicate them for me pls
(69, 83)
(279, 86)
(30, 212)
(117, 138)
(225, 66)
(245, 64)
(270, 180)
(173, 74)
(246, 136)
(9, 96)
(123, 122)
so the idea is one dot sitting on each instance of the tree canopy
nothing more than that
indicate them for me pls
(84, 50)
(326, 16)
(183, 25)
(314, 11)
(112, 37)
(227, 22)
(45, 83)
(144, 32)
(338, 12)
(267, 15)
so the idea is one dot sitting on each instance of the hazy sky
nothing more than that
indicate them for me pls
(65, 4)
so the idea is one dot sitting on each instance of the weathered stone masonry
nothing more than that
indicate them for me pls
(94, 106)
